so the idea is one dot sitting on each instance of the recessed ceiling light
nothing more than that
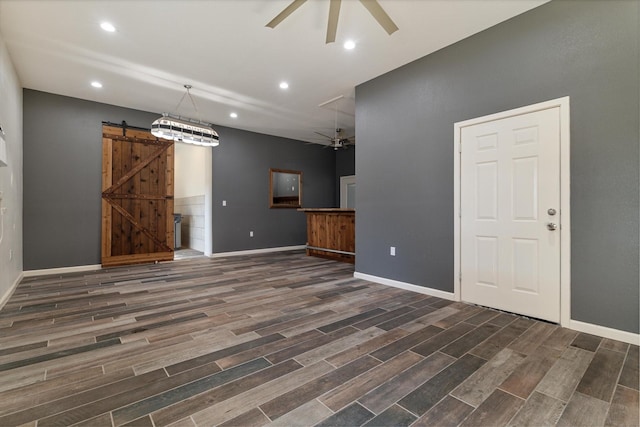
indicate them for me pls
(108, 27)
(284, 85)
(97, 85)
(349, 44)
(233, 115)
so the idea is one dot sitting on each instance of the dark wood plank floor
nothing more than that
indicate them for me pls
(285, 339)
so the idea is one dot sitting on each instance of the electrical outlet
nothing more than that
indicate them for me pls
(251, 234)
(224, 203)
(392, 251)
(10, 254)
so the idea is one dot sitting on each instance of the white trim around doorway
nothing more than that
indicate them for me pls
(345, 181)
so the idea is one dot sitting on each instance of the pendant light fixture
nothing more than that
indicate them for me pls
(183, 129)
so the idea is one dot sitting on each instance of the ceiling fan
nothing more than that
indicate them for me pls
(338, 140)
(372, 6)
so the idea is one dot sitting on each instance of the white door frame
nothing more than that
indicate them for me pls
(565, 205)
(344, 182)
(208, 203)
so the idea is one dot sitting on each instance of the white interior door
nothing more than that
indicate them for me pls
(510, 214)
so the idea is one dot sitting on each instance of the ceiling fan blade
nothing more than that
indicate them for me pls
(332, 24)
(295, 4)
(380, 15)
(326, 136)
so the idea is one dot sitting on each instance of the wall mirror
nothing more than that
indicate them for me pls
(285, 188)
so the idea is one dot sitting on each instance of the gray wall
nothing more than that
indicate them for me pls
(62, 182)
(586, 50)
(241, 177)
(63, 177)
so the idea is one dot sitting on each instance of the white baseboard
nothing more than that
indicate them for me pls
(406, 286)
(589, 328)
(257, 251)
(62, 270)
(603, 331)
(11, 290)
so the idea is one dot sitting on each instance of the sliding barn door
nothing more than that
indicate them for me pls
(137, 197)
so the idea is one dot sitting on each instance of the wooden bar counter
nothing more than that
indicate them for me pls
(331, 233)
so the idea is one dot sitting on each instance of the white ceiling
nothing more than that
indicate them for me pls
(223, 49)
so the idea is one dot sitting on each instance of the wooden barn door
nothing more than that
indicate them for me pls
(137, 197)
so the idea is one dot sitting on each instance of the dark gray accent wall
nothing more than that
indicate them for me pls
(63, 177)
(587, 50)
(241, 178)
(62, 182)
(345, 166)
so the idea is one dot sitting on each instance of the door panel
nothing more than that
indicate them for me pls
(487, 260)
(137, 197)
(525, 265)
(525, 189)
(487, 191)
(510, 177)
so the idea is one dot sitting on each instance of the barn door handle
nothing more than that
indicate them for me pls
(552, 226)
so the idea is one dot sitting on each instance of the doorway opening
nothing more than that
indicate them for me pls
(193, 198)
(348, 192)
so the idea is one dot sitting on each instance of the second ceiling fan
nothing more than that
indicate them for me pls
(338, 140)
(334, 12)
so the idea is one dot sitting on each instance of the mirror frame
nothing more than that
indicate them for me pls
(272, 202)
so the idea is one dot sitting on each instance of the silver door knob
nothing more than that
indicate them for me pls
(552, 226)
(551, 211)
